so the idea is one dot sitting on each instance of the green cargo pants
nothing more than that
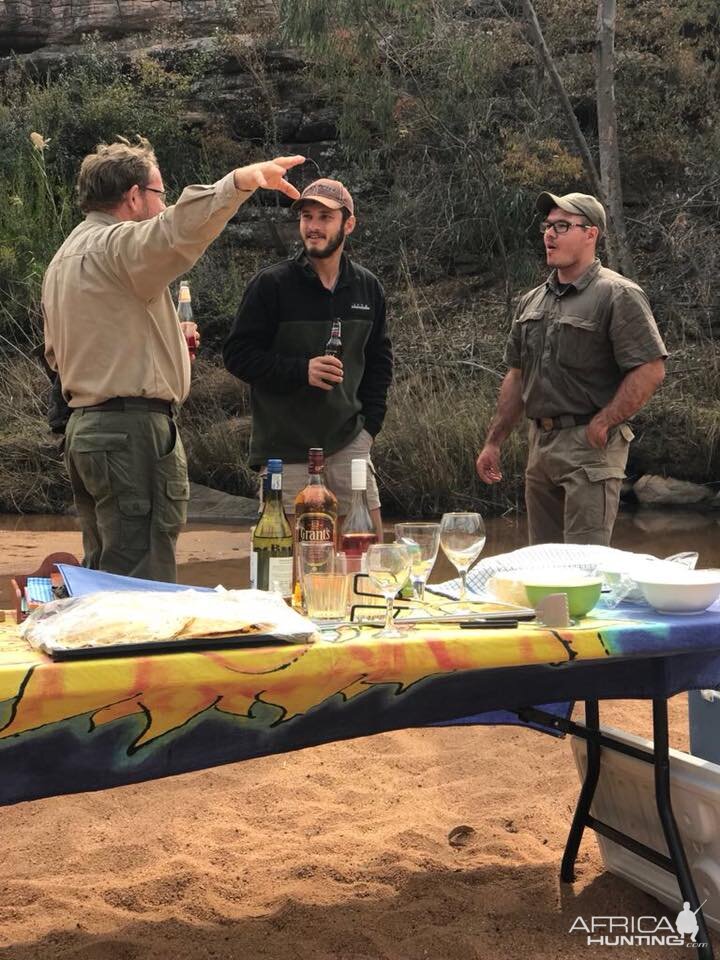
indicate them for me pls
(129, 478)
(572, 490)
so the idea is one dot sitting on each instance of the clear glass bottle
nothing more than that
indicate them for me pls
(272, 539)
(185, 314)
(358, 530)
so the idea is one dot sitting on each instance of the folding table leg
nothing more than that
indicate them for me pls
(582, 811)
(667, 819)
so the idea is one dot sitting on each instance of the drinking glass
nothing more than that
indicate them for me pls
(423, 542)
(388, 566)
(324, 579)
(462, 537)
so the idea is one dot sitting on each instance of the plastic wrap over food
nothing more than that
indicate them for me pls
(617, 568)
(110, 618)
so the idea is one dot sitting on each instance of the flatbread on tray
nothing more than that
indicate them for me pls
(118, 618)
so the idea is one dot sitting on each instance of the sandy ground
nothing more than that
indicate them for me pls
(206, 554)
(339, 852)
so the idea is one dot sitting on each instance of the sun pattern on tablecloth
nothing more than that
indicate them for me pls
(167, 690)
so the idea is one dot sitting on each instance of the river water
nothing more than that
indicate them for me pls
(660, 532)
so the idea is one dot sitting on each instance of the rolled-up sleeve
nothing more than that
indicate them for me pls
(633, 330)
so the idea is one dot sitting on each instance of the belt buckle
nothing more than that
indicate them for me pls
(546, 423)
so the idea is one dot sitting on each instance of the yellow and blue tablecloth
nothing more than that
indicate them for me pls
(84, 725)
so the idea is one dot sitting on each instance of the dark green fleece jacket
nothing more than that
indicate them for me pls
(284, 319)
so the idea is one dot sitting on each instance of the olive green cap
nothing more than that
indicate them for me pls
(580, 203)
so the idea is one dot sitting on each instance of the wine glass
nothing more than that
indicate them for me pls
(423, 542)
(462, 537)
(388, 566)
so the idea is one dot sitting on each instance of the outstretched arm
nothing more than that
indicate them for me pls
(508, 412)
(150, 254)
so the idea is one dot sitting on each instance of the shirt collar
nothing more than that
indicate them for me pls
(343, 276)
(100, 216)
(582, 281)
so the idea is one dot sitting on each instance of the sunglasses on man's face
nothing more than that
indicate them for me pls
(561, 226)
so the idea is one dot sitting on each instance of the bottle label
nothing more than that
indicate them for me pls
(315, 528)
(280, 571)
(276, 481)
(253, 569)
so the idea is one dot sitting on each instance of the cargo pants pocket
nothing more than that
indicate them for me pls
(134, 526)
(172, 489)
(89, 458)
(591, 504)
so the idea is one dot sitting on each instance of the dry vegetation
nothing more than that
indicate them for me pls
(448, 131)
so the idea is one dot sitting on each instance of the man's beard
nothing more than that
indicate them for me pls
(329, 249)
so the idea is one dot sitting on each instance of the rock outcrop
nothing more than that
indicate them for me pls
(27, 25)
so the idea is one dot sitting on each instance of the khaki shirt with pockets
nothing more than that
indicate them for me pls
(575, 344)
(111, 328)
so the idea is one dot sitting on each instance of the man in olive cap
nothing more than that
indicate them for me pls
(584, 355)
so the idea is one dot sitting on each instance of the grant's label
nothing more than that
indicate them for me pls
(315, 528)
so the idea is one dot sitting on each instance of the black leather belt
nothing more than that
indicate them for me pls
(565, 420)
(132, 404)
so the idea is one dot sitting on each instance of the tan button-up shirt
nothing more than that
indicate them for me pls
(111, 328)
(575, 344)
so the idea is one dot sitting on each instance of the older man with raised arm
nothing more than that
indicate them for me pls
(113, 335)
(584, 355)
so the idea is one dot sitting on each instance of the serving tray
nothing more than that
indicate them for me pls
(195, 644)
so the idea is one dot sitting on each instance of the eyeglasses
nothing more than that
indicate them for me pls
(161, 193)
(561, 226)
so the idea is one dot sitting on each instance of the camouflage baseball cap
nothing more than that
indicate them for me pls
(331, 193)
(580, 203)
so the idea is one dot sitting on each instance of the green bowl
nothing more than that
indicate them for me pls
(582, 592)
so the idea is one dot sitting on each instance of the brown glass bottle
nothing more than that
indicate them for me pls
(315, 506)
(333, 348)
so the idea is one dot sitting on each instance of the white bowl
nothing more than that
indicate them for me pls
(687, 591)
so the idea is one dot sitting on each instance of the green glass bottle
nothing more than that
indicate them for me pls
(272, 539)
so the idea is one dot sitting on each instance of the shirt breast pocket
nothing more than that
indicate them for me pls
(531, 333)
(578, 341)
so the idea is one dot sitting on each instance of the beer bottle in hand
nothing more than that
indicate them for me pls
(333, 348)
(185, 315)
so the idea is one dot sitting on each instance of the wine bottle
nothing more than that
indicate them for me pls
(272, 540)
(358, 531)
(315, 505)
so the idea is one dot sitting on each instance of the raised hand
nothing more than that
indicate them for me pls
(268, 174)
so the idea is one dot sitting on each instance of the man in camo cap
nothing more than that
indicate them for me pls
(583, 356)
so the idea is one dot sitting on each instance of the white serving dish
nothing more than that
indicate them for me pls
(684, 592)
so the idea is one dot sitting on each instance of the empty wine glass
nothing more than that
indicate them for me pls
(388, 566)
(423, 542)
(462, 537)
